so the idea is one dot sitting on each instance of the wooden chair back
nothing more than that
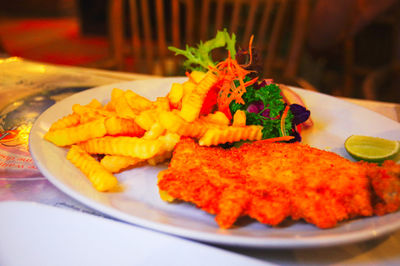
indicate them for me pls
(154, 24)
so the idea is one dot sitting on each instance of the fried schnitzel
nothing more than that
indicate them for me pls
(273, 181)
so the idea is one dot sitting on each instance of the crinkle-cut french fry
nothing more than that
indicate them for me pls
(136, 102)
(160, 158)
(120, 104)
(147, 118)
(206, 83)
(95, 104)
(109, 107)
(188, 87)
(123, 109)
(175, 95)
(73, 119)
(161, 104)
(168, 142)
(83, 110)
(82, 132)
(215, 136)
(116, 163)
(239, 119)
(88, 114)
(197, 76)
(130, 146)
(218, 118)
(118, 126)
(115, 94)
(101, 179)
(171, 121)
(176, 124)
(88, 117)
(127, 146)
(70, 120)
(191, 105)
(155, 131)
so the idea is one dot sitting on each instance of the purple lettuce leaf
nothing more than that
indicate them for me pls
(300, 113)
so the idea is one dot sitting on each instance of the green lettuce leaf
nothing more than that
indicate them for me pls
(200, 58)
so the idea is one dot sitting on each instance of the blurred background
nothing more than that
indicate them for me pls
(347, 48)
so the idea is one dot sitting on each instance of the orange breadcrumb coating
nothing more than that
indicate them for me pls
(272, 181)
(385, 182)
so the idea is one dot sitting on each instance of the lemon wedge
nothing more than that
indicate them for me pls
(371, 149)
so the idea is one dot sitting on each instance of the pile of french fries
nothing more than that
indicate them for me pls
(131, 130)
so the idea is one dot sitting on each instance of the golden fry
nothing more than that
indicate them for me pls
(116, 163)
(161, 104)
(188, 87)
(73, 119)
(191, 105)
(197, 76)
(218, 118)
(115, 94)
(196, 129)
(168, 142)
(88, 113)
(70, 120)
(239, 119)
(136, 102)
(118, 126)
(147, 118)
(171, 121)
(176, 124)
(127, 146)
(84, 110)
(175, 95)
(120, 104)
(95, 104)
(155, 131)
(101, 179)
(230, 134)
(130, 146)
(160, 158)
(82, 132)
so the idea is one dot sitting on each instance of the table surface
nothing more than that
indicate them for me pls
(20, 79)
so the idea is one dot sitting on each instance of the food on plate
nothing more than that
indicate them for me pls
(234, 140)
(239, 87)
(386, 185)
(371, 149)
(223, 103)
(101, 179)
(274, 181)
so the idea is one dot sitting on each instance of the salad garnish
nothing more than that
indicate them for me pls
(240, 87)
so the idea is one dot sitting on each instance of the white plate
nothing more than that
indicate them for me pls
(140, 204)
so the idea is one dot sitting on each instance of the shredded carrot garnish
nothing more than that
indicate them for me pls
(250, 52)
(228, 72)
(283, 118)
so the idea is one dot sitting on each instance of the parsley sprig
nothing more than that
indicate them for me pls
(269, 114)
